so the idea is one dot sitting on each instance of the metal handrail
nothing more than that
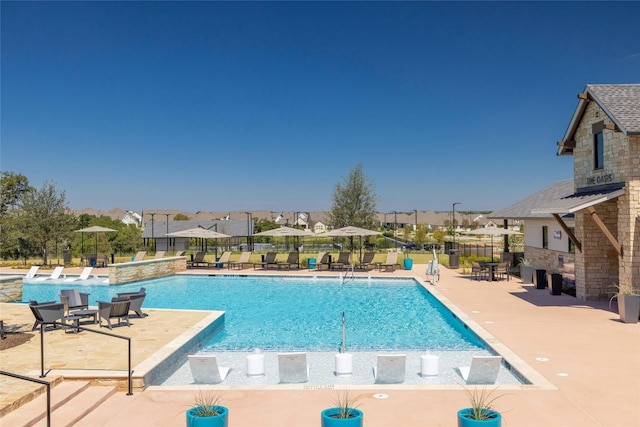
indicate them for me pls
(129, 371)
(45, 383)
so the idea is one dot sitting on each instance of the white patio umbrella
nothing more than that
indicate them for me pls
(284, 232)
(198, 232)
(350, 231)
(492, 231)
(95, 229)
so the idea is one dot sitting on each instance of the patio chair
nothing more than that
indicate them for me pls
(136, 299)
(367, 261)
(242, 262)
(32, 272)
(323, 261)
(502, 270)
(292, 259)
(390, 368)
(114, 310)
(47, 313)
(140, 256)
(198, 260)
(159, 254)
(293, 368)
(54, 275)
(269, 260)
(391, 262)
(73, 299)
(222, 261)
(205, 369)
(477, 272)
(102, 260)
(483, 370)
(343, 261)
(86, 272)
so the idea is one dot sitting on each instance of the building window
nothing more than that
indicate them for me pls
(598, 151)
(545, 237)
(572, 247)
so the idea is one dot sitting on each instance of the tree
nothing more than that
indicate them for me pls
(354, 201)
(421, 235)
(12, 187)
(180, 217)
(43, 218)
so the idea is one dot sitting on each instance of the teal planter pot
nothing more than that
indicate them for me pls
(329, 420)
(463, 421)
(221, 420)
(408, 264)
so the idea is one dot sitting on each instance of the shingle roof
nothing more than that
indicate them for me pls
(522, 209)
(621, 102)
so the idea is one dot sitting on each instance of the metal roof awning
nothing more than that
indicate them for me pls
(577, 202)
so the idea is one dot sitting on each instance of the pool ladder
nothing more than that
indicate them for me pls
(351, 268)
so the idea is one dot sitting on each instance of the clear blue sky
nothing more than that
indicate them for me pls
(220, 106)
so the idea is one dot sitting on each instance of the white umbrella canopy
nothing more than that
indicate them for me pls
(350, 231)
(198, 232)
(285, 232)
(95, 229)
(492, 231)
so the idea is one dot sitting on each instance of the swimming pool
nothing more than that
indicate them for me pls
(288, 314)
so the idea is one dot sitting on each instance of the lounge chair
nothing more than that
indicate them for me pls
(483, 370)
(222, 261)
(86, 272)
(293, 367)
(32, 272)
(242, 262)
(269, 260)
(114, 310)
(136, 299)
(390, 264)
(367, 262)
(198, 260)
(179, 253)
(140, 256)
(390, 368)
(323, 261)
(47, 313)
(159, 254)
(292, 259)
(73, 299)
(205, 369)
(54, 275)
(343, 261)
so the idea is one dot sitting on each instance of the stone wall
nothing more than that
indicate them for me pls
(10, 288)
(148, 269)
(547, 259)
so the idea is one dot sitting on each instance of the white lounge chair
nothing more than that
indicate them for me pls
(390, 368)
(32, 272)
(55, 275)
(205, 369)
(83, 276)
(293, 367)
(483, 370)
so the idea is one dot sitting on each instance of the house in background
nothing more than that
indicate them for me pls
(603, 137)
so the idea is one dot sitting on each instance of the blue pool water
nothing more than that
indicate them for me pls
(285, 313)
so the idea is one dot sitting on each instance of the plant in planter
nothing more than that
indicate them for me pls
(345, 412)
(481, 411)
(207, 412)
(526, 270)
(628, 304)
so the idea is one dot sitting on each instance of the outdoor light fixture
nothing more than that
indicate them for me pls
(168, 238)
(154, 240)
(453, 222)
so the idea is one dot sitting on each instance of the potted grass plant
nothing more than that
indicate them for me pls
(481, 412)
(526, 270)
(628, 304)
(207, 412)
(345, 412)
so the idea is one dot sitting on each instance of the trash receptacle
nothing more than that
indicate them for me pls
(311, 262)
(454, 258)
(540, 279)
(66, 255)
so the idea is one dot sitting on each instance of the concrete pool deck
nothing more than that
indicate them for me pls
(587, 357)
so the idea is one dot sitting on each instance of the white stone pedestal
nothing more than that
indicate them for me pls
(344, 364)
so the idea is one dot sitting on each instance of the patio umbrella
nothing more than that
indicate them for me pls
(350, 231)
(285, 232)
(95, 229)
(492, 231)
(198, 233)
